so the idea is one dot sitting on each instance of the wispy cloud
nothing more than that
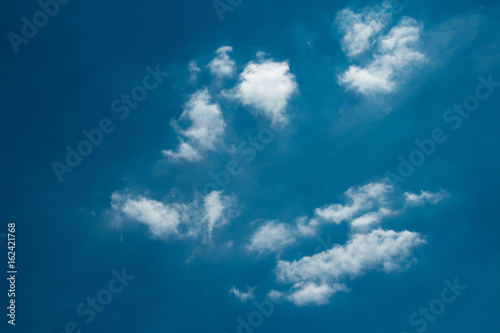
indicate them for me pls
(243, 296)
(207, 125)
(413, 200)
(193, 71)
(166, 220)
(271, 237)
(361, 28)
(393, 54)
(365, 208)
(222, 65)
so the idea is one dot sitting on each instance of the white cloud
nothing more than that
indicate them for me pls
(369, 219)
(312, 293)
(360, 200)
(175, 219)
(275, 296)
(207, 125)
(271, 237)
(162, 219)
(222, 65)
(387, 250)
(393, 54)
(360, 29)
(218, 210)
(184, 151)
(413, 200)
(243, 296)
(266, 87)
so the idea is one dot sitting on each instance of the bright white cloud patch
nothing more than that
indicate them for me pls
(381, 249)
(316, 278)
(243, 296)
(360, 200)
(271, 237)
(393, 53)
(207, 125)
(162, 219)
(222, 65)
(311, 293)
(175, 219)
(266, 87)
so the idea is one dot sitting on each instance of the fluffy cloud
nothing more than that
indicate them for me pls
(175, 219)
(360, 199)
(360, 29)
(162, 219)
(316, 278)
(207, 125)
(312, 293)
(243, 296)
(393, 54)
(413, 200)
(222, 65)
(271, 237)
(379, 249)
(266, 87)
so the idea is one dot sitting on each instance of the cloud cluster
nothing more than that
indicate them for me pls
(207, 125)
(315, 278)
(175, 219)
(265, 87)
(393, 53)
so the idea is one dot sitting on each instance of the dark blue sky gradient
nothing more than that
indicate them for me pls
(65, 79)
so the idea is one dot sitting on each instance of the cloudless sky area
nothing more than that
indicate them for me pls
(251, 166)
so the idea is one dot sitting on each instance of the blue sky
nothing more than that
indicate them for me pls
(256, 166)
